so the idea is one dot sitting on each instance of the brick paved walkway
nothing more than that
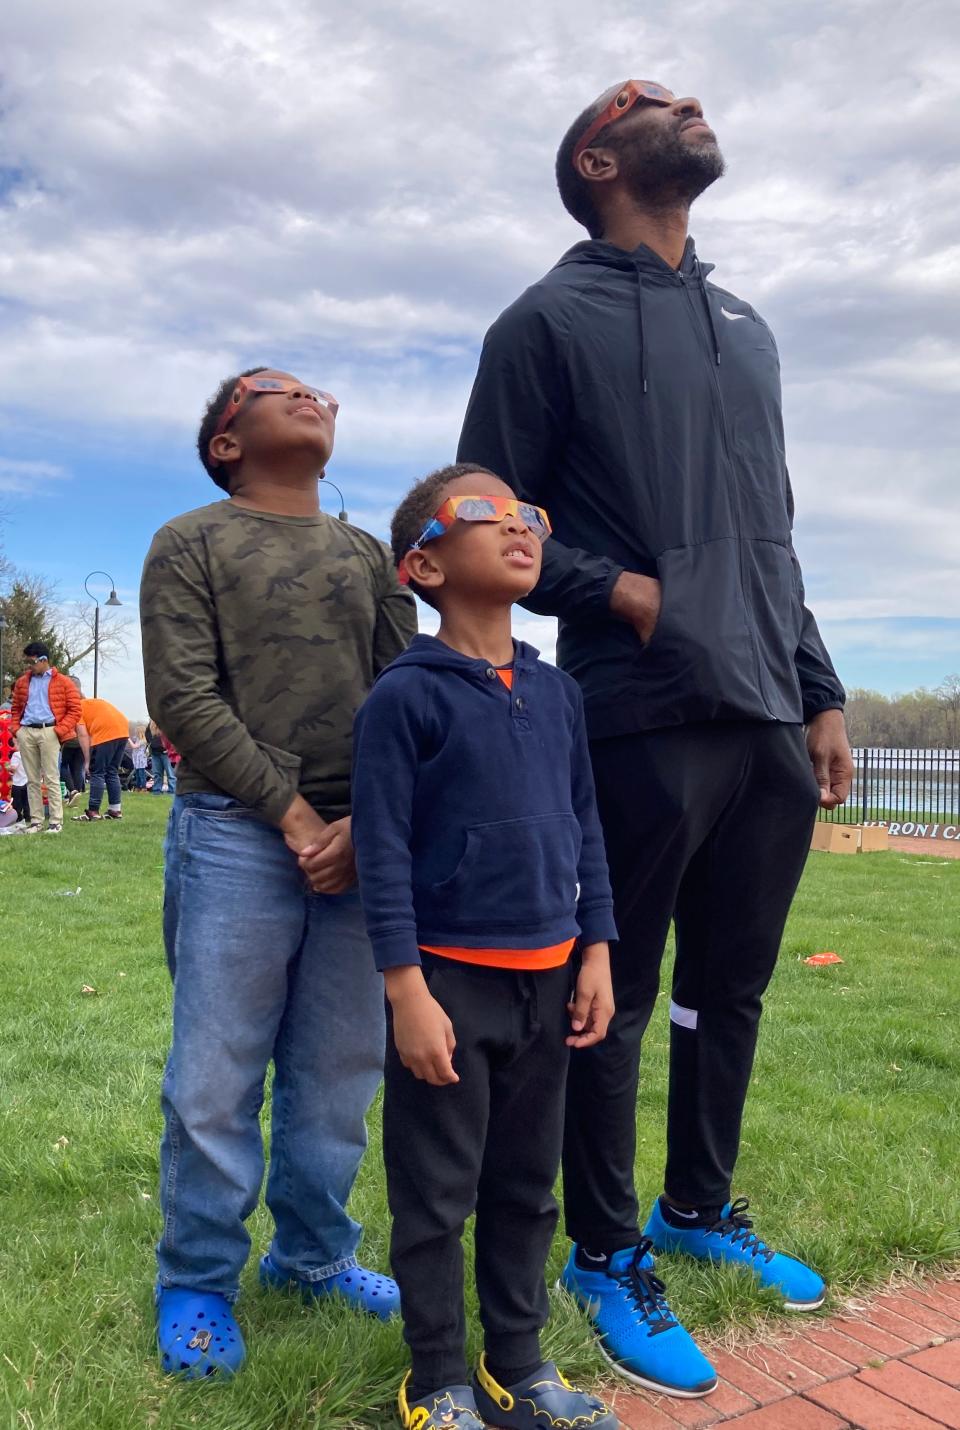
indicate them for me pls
(889, 1363)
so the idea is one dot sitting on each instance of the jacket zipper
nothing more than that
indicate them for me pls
(734, 486)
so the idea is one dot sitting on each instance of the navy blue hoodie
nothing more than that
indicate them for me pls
(474, 815)
(641, 406)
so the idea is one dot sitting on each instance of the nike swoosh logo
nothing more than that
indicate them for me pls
(732, 316)
(692, 1216)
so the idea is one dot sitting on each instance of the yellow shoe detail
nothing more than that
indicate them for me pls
(496, 1392)
(544, 1417)
(402, 1407)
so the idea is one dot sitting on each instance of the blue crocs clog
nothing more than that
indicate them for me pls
(732, 1238)
(364, 1290)
(544, 1398)
(196, 1333)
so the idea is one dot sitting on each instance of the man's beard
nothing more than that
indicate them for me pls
(666, 170)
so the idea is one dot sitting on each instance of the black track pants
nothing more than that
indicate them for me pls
(489, 1143)
(709, 825)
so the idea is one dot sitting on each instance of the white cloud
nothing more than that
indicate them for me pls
(358, 191)
(18, 477)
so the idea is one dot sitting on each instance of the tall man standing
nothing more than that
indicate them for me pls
(641, 405)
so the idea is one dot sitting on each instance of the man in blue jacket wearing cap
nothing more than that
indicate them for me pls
(641, 404)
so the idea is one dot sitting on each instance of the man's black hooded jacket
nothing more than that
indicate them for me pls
(641, 406)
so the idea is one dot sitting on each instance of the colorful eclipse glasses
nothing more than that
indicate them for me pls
(623, 101)
(247, 386)
(479, 508)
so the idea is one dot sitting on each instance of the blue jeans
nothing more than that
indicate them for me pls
(262, 969)
(105, 771)
(160, 764)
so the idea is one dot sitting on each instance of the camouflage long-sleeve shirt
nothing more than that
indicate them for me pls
(262, 635)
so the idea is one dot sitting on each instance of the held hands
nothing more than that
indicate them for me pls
(324, 851)
(592, 1005)
(636, 600)
(829, 751)
(328, 861)
(421, 1029)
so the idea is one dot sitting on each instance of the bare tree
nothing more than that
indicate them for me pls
(948, 698)
(30, 607)
(75, 628)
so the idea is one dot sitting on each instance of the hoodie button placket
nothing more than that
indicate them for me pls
(518, 710)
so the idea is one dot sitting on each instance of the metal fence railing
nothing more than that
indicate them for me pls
(903, 786)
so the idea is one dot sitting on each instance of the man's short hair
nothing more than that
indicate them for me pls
(37, 648)
(208, 424)
(418, 506)
(576, 193)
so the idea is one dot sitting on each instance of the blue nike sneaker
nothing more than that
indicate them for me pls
(731, 1238)
(637, 1333)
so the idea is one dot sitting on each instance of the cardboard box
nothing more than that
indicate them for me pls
(835, 838)
(847, 838)
(873, 838)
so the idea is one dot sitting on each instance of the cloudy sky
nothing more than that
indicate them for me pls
(354, 193)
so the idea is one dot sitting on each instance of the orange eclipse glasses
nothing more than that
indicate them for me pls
(623, 101)
(250, 386)
(478, 508)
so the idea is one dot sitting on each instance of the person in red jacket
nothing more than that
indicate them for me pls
(44, 712)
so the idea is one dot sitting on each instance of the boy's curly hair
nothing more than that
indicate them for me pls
(418, 506)
(209, 421)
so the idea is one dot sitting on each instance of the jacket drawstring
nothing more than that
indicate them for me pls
(706, 303)
(643, 346)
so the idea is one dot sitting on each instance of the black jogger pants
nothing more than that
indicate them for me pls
(708, 825)
(489, 1143)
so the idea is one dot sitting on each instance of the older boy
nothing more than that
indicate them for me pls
(481, 864)
(264, 625)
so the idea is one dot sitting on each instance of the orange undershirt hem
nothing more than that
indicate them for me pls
(525, 960)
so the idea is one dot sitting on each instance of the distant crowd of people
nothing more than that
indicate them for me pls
(56, 744)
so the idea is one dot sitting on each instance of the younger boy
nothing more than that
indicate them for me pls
(481, 864)
(264, 624)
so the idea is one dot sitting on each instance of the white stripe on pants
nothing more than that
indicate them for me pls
(40, 753)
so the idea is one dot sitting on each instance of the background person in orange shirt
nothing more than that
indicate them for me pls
(103, 732)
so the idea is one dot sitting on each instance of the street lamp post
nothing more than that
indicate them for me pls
(3, 627)
(112, 601)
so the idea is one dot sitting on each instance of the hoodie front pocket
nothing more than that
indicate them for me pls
(512, 872)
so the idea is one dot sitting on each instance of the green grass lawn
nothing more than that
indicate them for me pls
(849, 1155)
